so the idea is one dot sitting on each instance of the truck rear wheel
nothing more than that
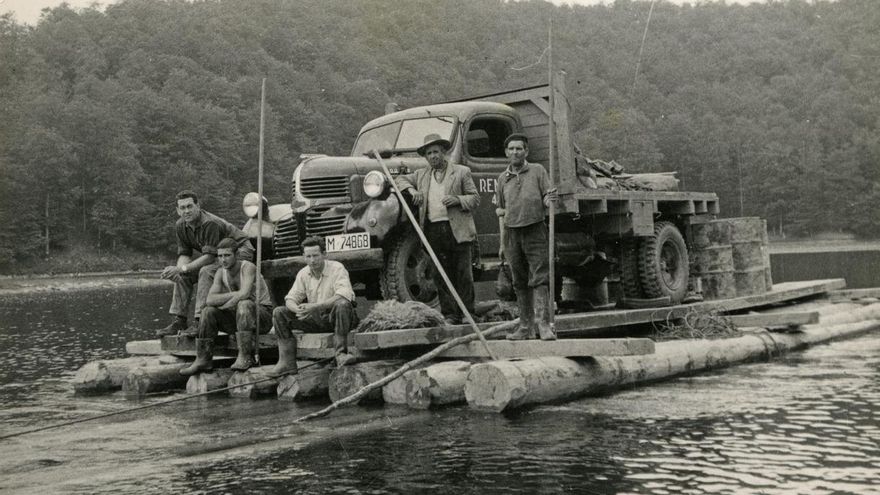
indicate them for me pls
(408, 272)
(630, 281)
(663, 263)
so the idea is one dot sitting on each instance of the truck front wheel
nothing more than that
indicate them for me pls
(663, 263)
(408, 272)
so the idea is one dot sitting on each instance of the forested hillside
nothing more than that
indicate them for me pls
(106, 115)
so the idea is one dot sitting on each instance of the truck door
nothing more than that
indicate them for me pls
(483, 151)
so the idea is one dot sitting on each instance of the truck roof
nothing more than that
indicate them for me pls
(461, 110)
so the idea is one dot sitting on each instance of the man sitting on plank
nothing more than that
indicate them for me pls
(232, 307)
(197, 230)
(321, 300)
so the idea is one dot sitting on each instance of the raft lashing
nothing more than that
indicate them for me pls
(794, 315)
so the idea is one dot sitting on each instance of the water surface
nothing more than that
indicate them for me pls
(807, 423)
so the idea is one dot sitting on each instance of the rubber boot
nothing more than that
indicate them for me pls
(544, 312)
(177, 325)
(286, 364)
(245, 357)
(204, 358)
(526, 328)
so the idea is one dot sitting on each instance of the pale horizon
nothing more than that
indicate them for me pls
(28, 11)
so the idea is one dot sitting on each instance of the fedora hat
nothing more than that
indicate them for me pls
(433, 139)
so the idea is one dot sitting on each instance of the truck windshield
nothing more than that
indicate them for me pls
(404, 135)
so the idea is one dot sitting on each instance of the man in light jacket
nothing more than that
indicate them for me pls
(446, 196)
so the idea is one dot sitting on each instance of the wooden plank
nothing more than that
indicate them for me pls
(585, 323)
(309, 345)
(144, 347)
(505, 349)
(849, 294)
(774, 319)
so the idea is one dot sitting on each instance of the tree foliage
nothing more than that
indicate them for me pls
(107, 114)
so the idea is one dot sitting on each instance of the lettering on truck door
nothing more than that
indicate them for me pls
(483, 152)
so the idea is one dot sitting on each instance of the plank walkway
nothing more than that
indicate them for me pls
(504, 349)
(586, 323)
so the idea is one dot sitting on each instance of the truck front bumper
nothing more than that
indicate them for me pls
(362, 259)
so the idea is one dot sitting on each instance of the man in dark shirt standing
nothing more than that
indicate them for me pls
(523, 195)
(197, 230)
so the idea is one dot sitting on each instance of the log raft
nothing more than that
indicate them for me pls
(505, 385)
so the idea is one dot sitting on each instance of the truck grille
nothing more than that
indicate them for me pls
(324, 187)
(323, 225)
(286, 242)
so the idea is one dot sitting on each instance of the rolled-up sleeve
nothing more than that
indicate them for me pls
(211, 235)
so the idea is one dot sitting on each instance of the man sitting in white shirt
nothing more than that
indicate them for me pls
(321, 300)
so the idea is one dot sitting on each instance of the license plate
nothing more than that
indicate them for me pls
(347, 242)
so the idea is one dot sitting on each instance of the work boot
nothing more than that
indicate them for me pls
(245, 357)
(343, 358)
(286, 364)
(177, 324)
(544, 312)
(526, 328)
(191, 331)
(204, 358)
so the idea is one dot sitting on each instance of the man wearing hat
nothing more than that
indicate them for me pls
(523, 195)
(446, 196)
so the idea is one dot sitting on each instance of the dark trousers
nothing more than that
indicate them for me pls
(241, 319)
(455, 258)
(339, 319)
(527, 252)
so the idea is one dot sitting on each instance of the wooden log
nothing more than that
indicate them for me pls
(774, 319)
(245, 388)
(144, 347)
(107, 375)
(506, 349)
(347, 380)
(307, 384)
(394, 392)
(438, 384)
(871, 311)
(207, 382)
(503, 385)
(148, 379)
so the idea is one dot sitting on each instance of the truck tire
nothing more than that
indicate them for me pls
(663, 263)
(408, 272)
(630, 281)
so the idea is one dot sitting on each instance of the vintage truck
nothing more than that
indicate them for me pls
(639, 237)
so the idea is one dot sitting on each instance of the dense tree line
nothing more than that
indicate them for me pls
(106, 114)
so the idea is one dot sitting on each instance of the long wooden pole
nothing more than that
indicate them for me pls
(259, 275)
(552, 212)
(433, 256)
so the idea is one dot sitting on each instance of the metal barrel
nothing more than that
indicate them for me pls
(747, 236)
(711, 259)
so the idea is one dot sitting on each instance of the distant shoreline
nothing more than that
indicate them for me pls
(11, 285)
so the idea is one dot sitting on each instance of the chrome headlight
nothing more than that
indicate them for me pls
(374, 183)
(251, 204)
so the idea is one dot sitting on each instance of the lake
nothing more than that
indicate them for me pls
(805, 423)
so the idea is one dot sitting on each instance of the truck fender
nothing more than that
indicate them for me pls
(378, 217)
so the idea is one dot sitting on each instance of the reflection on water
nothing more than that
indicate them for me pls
(805, 424)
